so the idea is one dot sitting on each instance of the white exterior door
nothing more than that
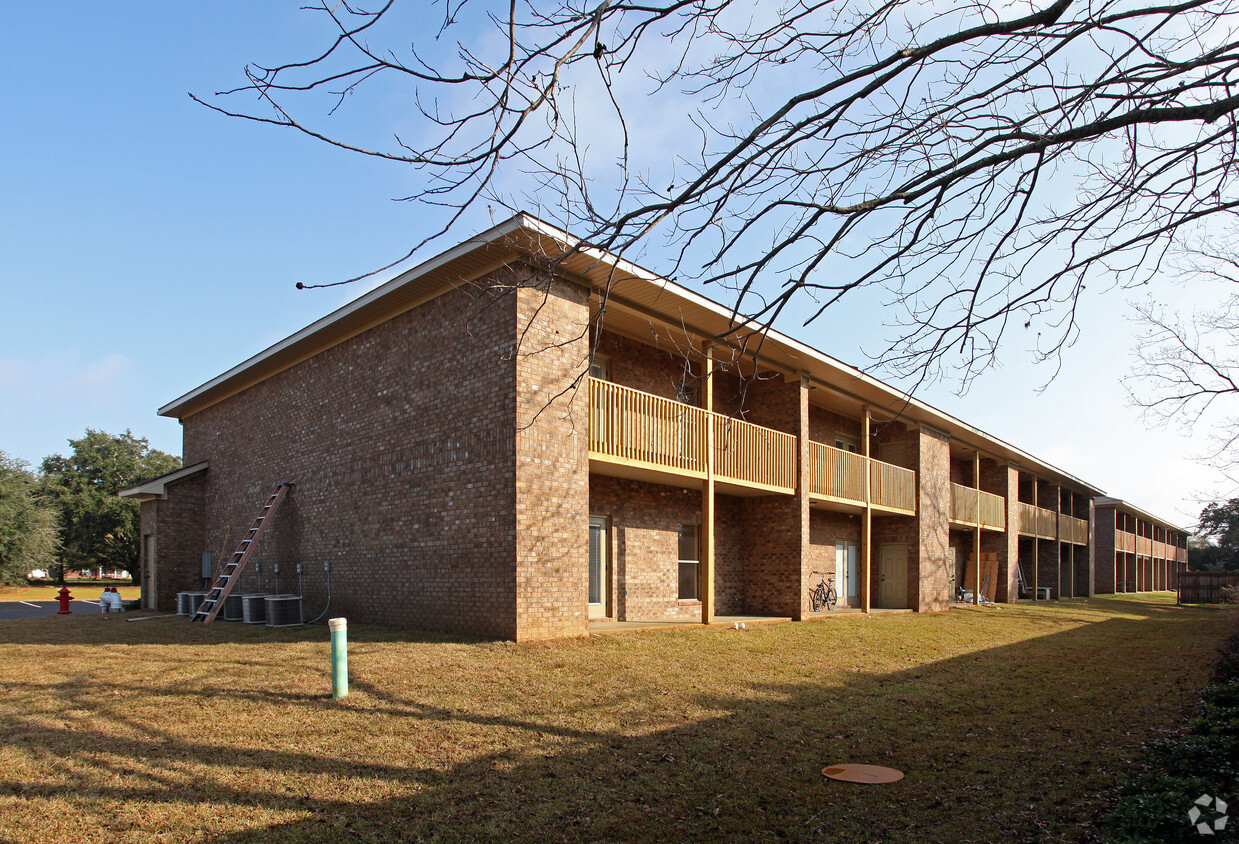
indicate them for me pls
(847, 573)
(893, 576)
(147, 579)
(598, 547)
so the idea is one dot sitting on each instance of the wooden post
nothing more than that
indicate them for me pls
(1071, 547)
(976, 528)
(866, 535)
(1036, 563)
(706, 568)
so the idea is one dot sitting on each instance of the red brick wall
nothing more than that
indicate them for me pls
(1104, 579)
(176, 524)
(1003, 479)
(642, 366)
(826, 527)
(825, 424)
(927, 564)
(402, 444)
(645, 520)
(1049, 557)
(772, 559)
(552, 461)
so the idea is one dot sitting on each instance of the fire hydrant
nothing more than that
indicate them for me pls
(64, 601)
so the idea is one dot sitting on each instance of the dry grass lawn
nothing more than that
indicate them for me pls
(1012, 724)
(76, 591)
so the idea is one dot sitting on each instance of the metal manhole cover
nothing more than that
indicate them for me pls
(862, 773)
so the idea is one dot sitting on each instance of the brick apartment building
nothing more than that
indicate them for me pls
(482, 446)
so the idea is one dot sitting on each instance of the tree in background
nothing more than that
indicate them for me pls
(27, 523)
(1219, 523)
(1187, 371)
(98, 528)
(975, 165)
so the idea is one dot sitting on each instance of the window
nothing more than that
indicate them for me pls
(600, 367)
(690, 563)
(846, 443)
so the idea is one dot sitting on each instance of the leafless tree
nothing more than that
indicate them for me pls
(1187, 368)
(975, 164)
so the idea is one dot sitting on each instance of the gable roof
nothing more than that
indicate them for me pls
(629, 288)
(158, 487)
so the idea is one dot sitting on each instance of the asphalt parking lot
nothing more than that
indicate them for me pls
(34, 609)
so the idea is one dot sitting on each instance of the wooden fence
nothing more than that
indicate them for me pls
(1205, 587)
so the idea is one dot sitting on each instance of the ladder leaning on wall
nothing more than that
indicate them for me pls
(230, 572)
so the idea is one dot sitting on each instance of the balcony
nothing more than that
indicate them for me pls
(1125, 542)
(1144, 546)
(639, 435)
(1073, 530)
(839, 476)
(970, 506)
(1038, 521)
(644, 435)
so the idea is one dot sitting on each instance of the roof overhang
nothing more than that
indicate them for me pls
(625, 287)
(156, 489)
(1120, 504)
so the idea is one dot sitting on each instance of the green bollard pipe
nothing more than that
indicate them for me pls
(339, 656)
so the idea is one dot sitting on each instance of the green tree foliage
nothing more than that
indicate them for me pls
(97, 528)
(1220, 522)
(27, 523)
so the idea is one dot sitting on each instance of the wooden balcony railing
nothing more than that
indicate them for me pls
(835, 473)
(637, 427)
(1038, 521)
(1144, 546)
(892, 487)
(838, 475)
(1073, 530)
(970, 506)
(754, 455)
(632, 427)
(1125, 542)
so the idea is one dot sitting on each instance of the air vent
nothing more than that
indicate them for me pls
(283, 610)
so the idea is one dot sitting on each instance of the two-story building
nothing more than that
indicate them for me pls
(519, 436)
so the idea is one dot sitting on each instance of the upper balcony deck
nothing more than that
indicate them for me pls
(643, 435)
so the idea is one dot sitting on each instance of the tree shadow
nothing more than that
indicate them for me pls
(1015, 742)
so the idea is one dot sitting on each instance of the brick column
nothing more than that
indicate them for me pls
(552, 461)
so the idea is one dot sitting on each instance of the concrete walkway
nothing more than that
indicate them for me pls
(605, 626)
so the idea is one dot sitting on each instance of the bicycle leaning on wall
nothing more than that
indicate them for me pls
(824, 594)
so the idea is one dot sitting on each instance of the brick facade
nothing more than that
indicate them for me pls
(439, 447)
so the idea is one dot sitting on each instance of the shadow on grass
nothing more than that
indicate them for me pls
(1017, 742)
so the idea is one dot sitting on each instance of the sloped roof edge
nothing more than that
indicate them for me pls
(158, 487)
(525, 235)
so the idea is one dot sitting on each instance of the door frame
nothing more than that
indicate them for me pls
(882, 588)
(600, 609)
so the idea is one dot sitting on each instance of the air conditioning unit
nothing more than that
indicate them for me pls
(234, 609)
(254, 607)
(187, 602)
(283, 610)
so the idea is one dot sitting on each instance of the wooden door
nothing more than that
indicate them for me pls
(893, 576)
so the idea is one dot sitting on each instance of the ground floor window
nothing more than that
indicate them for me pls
(690, 562)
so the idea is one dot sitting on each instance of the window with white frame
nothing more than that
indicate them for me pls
(690, 562)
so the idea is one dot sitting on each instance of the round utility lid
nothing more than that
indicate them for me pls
(862, 773)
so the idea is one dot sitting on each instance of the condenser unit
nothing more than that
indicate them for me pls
(187, 602)
(283, 610)
(254, 607)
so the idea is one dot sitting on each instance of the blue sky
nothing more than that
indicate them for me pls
(149, 244)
